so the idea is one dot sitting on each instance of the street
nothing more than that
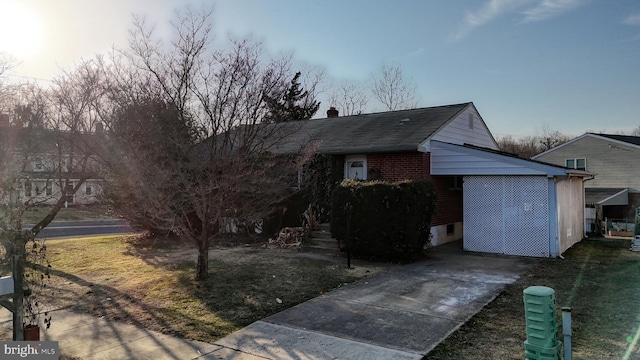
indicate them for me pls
(84, 228)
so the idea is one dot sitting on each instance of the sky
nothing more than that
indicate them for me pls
(566, 65)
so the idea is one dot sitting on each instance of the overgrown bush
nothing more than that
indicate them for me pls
(322, 175)
(381, 219)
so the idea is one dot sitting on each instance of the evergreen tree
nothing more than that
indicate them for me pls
(293, 104)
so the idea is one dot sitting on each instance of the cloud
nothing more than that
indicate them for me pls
(546, 9)
(536, 10)
(633, 19)
(490, 11)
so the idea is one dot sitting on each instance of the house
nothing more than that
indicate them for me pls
(494, 201)
(48, 166)
(614, 193)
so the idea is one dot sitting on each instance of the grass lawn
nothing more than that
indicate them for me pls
(71, 213)
(150, 284)
(598, 279)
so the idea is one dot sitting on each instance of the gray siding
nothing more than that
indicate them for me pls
(614, 164)
(458, 131)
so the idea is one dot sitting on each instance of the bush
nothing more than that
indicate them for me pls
(381, 219)
(322, 176)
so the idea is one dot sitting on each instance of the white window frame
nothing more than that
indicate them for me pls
(38, 166)
(575, 163)
(350, 159)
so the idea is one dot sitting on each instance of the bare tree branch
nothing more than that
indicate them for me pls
(392, 89)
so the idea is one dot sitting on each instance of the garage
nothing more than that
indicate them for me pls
(511, 205)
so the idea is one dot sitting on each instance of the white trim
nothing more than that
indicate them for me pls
(351, 159)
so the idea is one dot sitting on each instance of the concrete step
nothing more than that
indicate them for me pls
(324, 226)
(328, 243)
(321, 234)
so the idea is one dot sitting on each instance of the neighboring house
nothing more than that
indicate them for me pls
(614, 193)
(494, 201)
(46, 167)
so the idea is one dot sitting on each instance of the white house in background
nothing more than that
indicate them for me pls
(46, 169)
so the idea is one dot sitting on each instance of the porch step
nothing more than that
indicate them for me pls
(321, 241)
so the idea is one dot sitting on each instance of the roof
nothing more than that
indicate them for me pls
(606, 196)
(453, 159)
(623, 139)
(635, 140)
(391, 131)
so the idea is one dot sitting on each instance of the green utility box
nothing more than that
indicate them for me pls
(540, 315)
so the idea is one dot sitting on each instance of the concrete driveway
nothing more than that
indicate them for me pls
(400, 314)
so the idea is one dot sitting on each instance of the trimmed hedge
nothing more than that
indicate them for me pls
(381, 219)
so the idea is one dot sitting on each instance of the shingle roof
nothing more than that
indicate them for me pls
(401, 130)
(635, 140)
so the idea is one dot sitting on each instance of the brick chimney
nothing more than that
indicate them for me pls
(332, 112)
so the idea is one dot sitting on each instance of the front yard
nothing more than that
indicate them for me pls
(150, 283)
(599, 279)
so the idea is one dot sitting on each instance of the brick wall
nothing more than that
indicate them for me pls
(400, 166)
(416, 165)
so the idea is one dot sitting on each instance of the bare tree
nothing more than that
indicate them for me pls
(45, 160)
(551, 138)
(349, 98)
(392, 88)
(194, 150)
(528, 146)
(524, 147)
(6, 63)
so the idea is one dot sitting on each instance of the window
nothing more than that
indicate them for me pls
(38, 166)
(27, 189)
(49, 190)
(578, 164)
(471, 118)
(451, 229)
(88, 190)
(355, 168)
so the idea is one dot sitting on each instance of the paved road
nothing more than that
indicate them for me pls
(84, 228)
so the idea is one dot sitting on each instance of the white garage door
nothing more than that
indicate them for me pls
(506, 215)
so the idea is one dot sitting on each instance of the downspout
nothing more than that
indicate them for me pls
(584, 205)
(553, 217)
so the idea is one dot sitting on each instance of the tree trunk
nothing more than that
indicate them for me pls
(202, 269)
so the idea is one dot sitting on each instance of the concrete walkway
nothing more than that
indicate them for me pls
(400, 314)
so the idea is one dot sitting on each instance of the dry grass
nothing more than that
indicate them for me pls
(599, 279)
(150, 284)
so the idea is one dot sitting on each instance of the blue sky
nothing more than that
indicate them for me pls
(571, 65)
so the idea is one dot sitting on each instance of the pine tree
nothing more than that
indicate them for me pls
(293, 104)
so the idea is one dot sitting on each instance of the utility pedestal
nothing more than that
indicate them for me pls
(542, 332)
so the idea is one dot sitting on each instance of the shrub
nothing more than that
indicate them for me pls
(382, 219)
(322, 175)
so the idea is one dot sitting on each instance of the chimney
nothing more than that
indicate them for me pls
(332, 112)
